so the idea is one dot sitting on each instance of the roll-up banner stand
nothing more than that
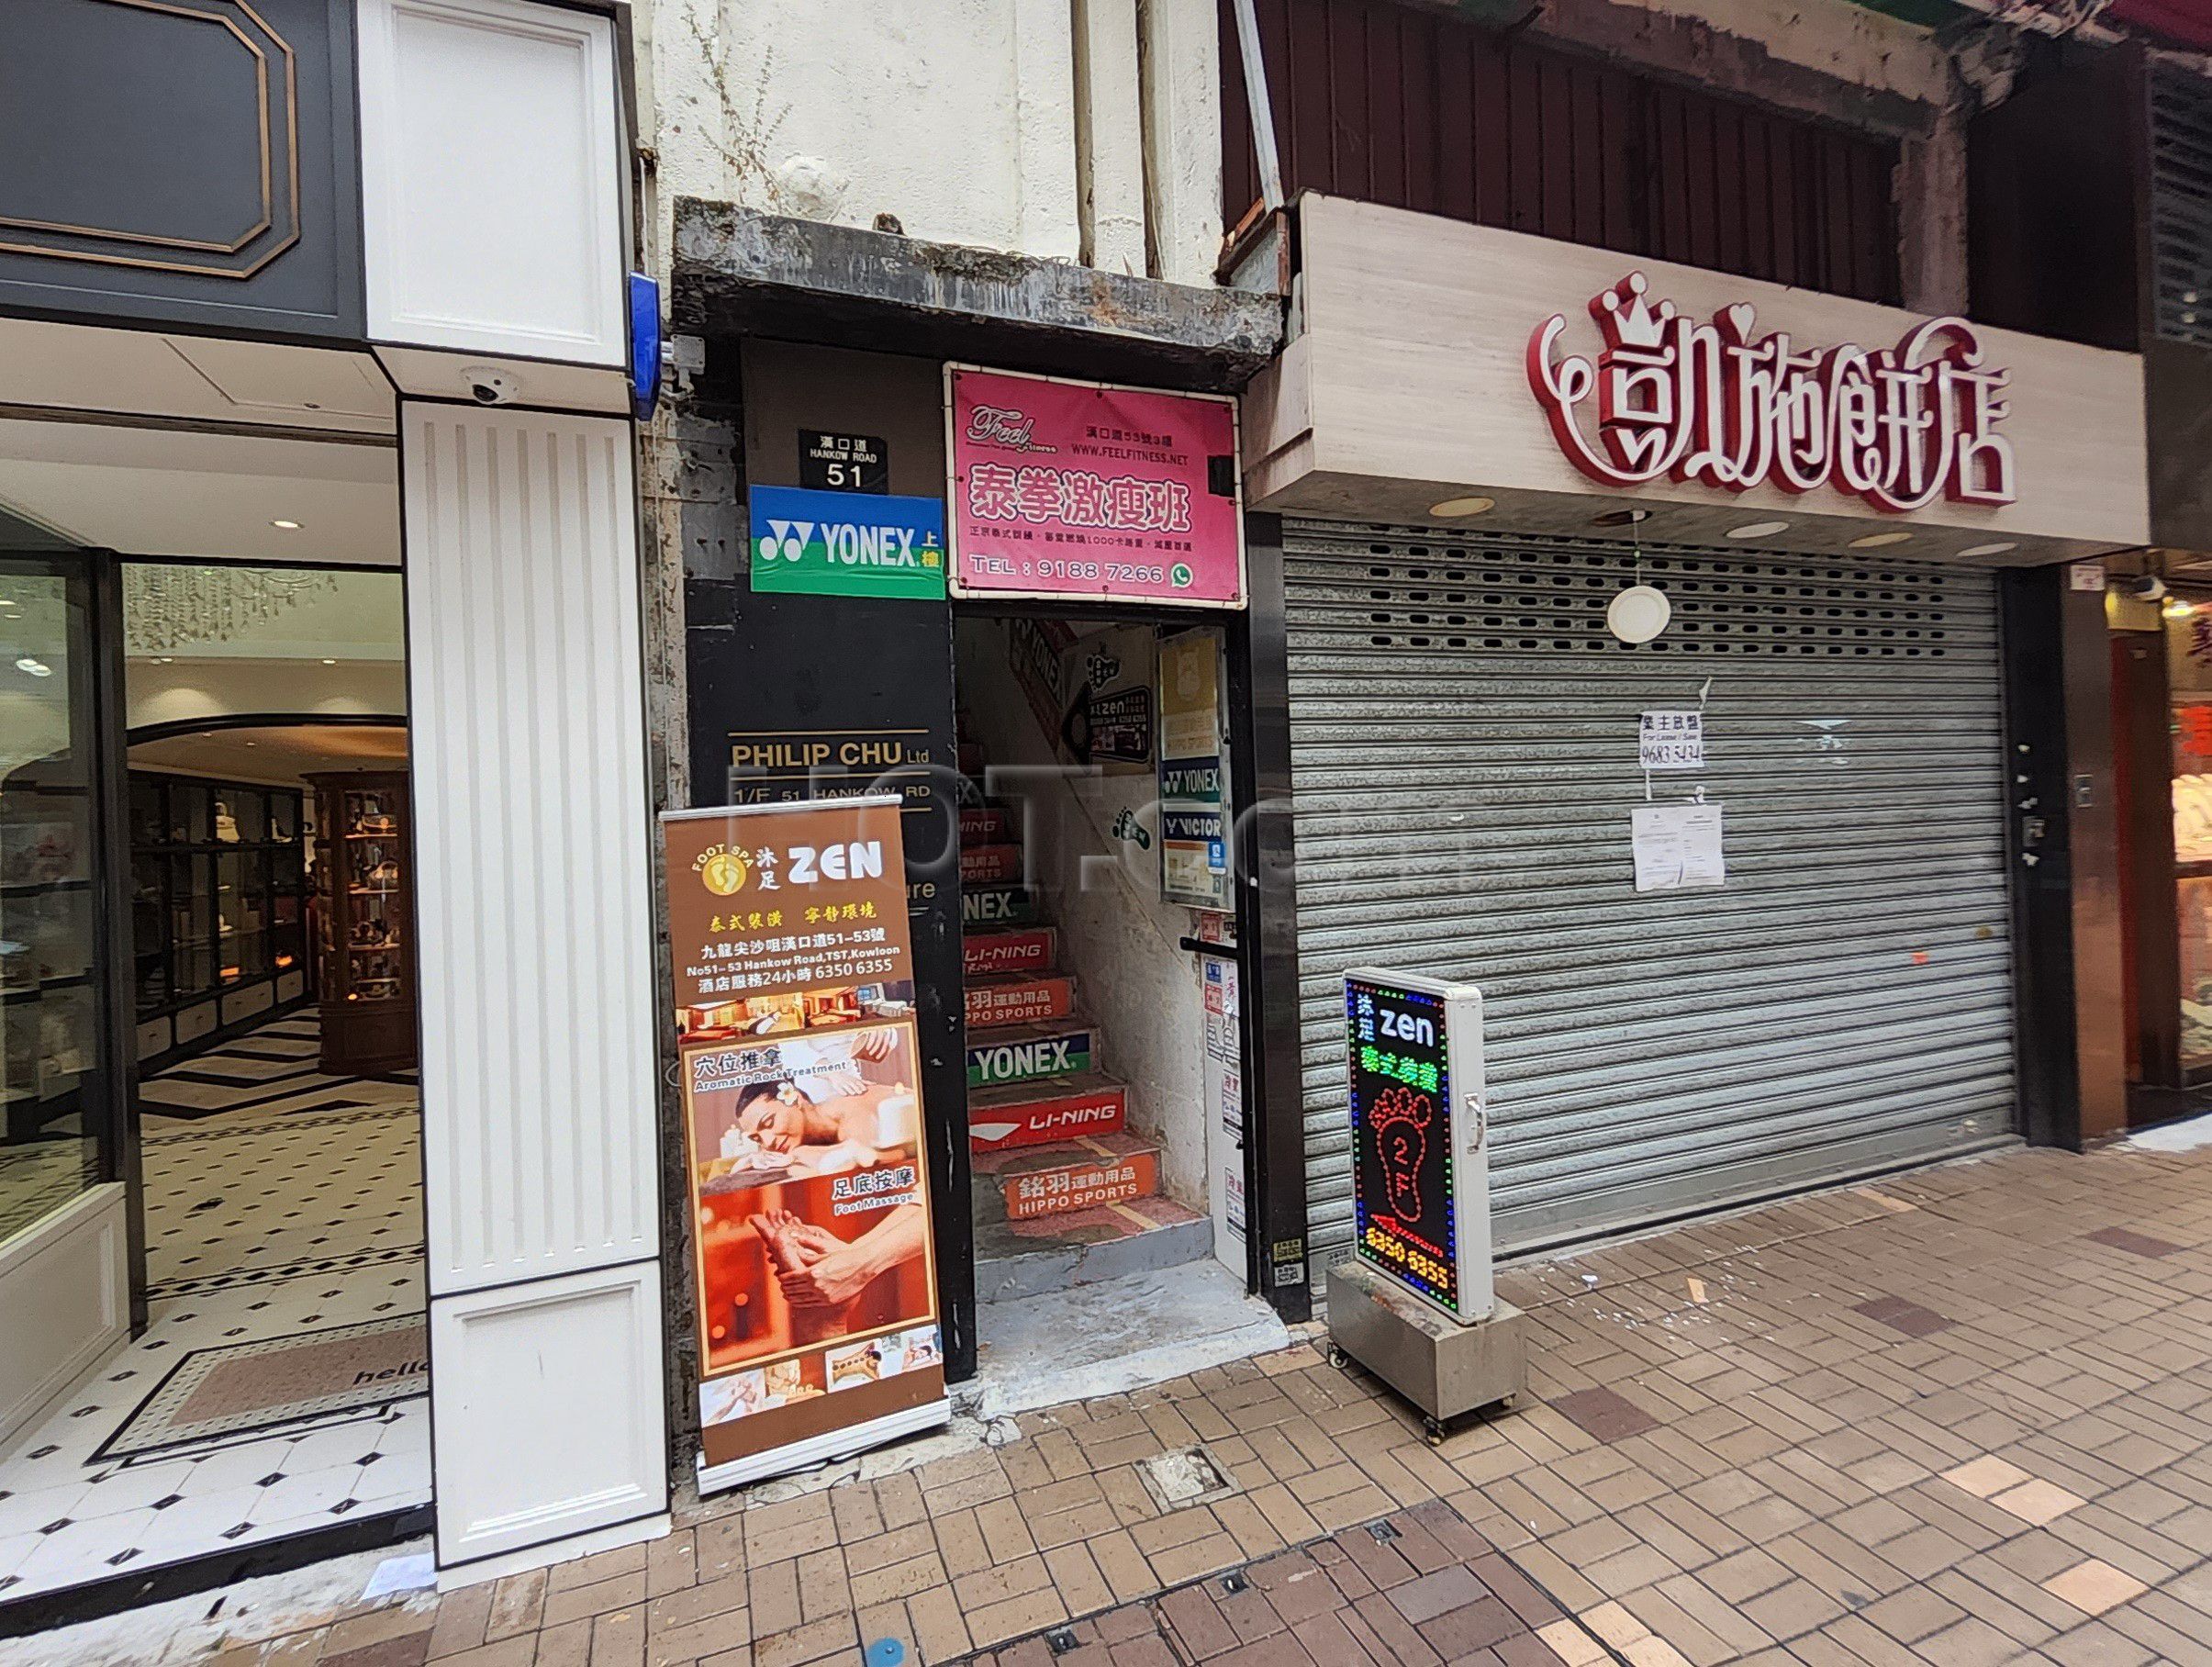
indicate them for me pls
(811, 1261)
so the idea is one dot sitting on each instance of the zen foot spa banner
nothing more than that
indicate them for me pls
(817, 1296)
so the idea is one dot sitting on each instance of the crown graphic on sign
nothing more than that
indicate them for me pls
(1627, 321)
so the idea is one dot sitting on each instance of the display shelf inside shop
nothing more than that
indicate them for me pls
(219, 890)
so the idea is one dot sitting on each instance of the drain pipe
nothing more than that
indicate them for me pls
(1257, 100)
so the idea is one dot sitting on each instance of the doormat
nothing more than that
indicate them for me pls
(243, 1387)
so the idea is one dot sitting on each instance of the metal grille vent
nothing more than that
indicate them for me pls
(1550, 595)
(2181, 205)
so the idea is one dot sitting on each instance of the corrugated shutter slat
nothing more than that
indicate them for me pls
(1463, 761)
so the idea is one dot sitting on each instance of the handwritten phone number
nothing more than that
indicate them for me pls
(1124, 573)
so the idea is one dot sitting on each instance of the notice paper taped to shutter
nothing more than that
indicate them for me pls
(1676, 845)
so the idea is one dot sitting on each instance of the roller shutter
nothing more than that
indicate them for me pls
(1463, 738)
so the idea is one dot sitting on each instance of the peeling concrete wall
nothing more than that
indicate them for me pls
(1079, 131)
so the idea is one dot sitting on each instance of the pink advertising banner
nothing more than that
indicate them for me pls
(1065, 488)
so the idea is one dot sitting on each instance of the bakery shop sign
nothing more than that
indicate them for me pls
(1719, 404)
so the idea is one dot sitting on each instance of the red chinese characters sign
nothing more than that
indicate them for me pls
(1718, 404)
(1086, 489)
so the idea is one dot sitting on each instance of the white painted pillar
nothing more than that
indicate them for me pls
(1182, 71)
(540, 1190)
(1109, 136)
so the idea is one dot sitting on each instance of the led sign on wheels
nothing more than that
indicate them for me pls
(1420, 1180)
(1415, 1304)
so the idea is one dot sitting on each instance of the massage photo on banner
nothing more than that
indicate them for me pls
(814, 1249)
(793, 1002)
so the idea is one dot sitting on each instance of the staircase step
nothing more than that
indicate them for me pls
(986, 824)
(994, 865)
(1019, 998)
(1089, 1173)
(1011, 949)
(1028, 1053)
(997, 905)
(1064, 1176)
(1031, 1113)
(1050, 1253)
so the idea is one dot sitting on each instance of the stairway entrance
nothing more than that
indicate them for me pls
(1108, 1173)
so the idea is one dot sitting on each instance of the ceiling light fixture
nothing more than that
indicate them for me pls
(1879, 541)
(36, 668)
(1999, 548)
(329, 661)
(289, 526)
(1759, 528)
(1620, 518)
(1453, 507)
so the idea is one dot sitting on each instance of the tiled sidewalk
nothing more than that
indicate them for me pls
(1961, 1417)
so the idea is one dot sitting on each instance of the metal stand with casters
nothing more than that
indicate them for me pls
(1418, 1307)
(1444, 1367)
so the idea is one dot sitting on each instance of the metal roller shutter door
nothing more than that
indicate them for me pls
(1463, 742)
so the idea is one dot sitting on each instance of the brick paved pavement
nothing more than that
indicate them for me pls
(1958, 1418)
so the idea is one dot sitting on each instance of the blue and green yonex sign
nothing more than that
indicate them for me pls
(847, 544)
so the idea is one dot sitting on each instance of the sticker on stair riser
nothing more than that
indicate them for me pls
(1007, 951)
(991, 1063)
(984, 825)
(1031, 1001)
(990, 865)
(1080, 1184)
(997, 905)
(1095, 1112)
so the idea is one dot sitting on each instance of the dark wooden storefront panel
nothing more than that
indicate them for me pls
(1417, 109)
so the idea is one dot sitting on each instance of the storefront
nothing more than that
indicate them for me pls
(303, 305)
(2162, 719)
(1056, 688)
(1737, 865)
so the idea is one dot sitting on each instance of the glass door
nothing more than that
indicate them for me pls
(64, 1218)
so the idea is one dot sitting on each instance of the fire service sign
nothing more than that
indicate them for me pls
(1420, 1175)
(1062, 489)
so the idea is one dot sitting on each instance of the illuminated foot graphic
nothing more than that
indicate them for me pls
(1401, 1120)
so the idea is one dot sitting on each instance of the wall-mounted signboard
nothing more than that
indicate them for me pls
(805, 1143)
(1062, 489)
(847, 544)
(1420, 1173)
(1194, 801)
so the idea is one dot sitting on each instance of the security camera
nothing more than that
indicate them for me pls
(488, 387)
(2147, 587)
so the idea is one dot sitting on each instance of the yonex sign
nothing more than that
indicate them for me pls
(841, 543)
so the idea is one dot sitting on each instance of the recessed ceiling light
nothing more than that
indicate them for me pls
(36, 668)
(1452, 507)
(1999, 548)
(329, 661)
(289, 526)
(164, 659)
(1620, 518)
(1759, 528)
(1876, 541)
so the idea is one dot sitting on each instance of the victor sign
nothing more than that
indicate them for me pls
(1721, 405)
